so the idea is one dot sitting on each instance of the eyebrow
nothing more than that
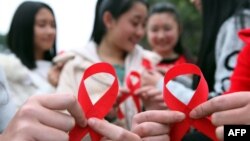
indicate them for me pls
(137, 16)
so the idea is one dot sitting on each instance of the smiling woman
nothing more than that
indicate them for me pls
(31, 40)
(73, 31)
(118, 27)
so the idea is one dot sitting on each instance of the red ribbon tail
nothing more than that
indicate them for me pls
(205, 127)
(94, 136)
(77, 133)
(179, 130)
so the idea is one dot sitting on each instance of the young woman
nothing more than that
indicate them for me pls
(31, 39)
(164, 34)
(118, 27)
(164, 30)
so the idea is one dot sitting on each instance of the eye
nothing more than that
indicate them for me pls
(167, 28)
(135, 23)
(154, 29)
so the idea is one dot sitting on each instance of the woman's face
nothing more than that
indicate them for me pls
(162, 32)
(44, 30)
(128, 29)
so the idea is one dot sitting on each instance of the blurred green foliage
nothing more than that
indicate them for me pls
(191, 20)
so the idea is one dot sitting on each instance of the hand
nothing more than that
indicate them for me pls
(113, 112)
(54, 74)
(39, 119)
(111, 131)
(152, 98)
(226, 109)
(150, 78)
(155, 125)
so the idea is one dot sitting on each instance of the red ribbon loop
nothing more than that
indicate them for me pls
(101, 107)
(132, 87)
(204, 125)
(147, 64)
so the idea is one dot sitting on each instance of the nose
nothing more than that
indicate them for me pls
(161, 34)
(140, 31)
(51, 30)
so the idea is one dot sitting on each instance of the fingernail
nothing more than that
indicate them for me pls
(193, 114)
(91, 121)
(180, 116)
(83, 123)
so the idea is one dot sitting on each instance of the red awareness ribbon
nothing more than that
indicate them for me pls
(132, 87)
(147, 64)
(101, 107)
(203, 125)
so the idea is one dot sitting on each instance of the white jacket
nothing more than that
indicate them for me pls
(7, 107)
(83, 58)
(22, 82)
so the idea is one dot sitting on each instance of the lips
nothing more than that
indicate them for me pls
(134, 41)
(48, 40)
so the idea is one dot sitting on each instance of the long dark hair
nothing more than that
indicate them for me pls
(167, 7)
(20, 39)
(215, 13)
(116, 8)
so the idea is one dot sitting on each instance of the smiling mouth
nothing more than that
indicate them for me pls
(133, 41)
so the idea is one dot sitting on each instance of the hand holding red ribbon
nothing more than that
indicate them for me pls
(101, 107)
(132, 87)
(204, 125)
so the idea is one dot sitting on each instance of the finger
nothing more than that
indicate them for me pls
(220, 133)
(220, 103)
(108, 130)
(123, 90)
(105, 139)
(165, 117)
(59, 65)
(153, 92)
(143, 90)
(157, 98)
(59, 121)
(62, 102)
(157, 138)
(146, 73)
(40, 132)
(146, 129)
(233, 116)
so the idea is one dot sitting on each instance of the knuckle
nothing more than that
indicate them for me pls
(65, 137)
(71, 98)
(27, 111)
(23, 127)
(217, 102)
(214, 119)
(136, 119)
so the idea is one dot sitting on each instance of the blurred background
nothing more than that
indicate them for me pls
(75, 21)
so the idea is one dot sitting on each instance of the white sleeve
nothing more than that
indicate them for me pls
(7, 107)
